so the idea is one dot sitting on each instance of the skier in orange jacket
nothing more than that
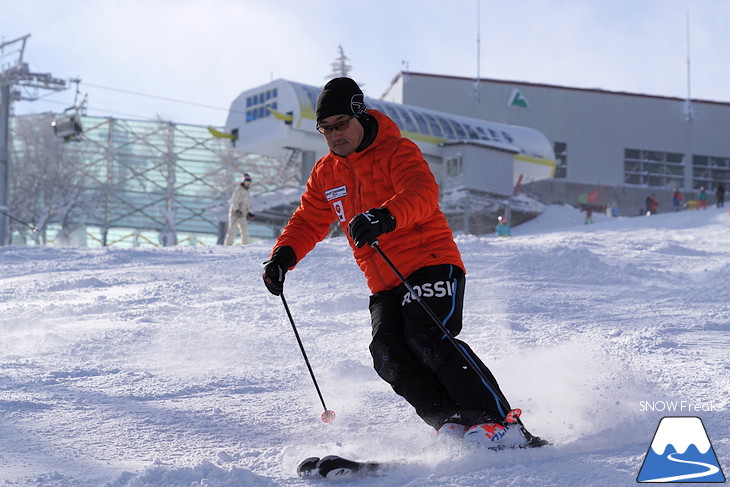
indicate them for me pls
(379, 187)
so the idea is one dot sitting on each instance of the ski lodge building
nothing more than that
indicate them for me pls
(613, 147)
(476, 162)
(501, 146)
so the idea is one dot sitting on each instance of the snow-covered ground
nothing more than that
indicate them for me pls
(175, 367)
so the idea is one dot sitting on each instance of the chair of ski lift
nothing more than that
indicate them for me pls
(68, 126)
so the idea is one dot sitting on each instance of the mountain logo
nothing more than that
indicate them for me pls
(680, 452)
(517, 99)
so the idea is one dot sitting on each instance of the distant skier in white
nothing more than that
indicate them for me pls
(238, 213)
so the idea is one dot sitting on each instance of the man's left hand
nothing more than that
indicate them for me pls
(366, 227)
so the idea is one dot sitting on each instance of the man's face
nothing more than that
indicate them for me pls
(343, 133)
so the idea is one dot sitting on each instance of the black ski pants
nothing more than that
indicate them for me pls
(413, 355)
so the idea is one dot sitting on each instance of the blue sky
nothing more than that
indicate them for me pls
(207, 52)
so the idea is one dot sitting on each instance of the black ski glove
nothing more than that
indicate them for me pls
(275, 268)
(366, 227)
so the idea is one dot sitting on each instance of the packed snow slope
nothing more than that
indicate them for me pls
(175, 367)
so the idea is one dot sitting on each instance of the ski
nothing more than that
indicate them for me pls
(336, 467)
(532, 442)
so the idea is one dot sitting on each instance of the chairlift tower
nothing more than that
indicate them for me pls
(17, 82)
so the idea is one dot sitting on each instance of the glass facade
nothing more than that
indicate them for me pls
(661, 169)
(413, 121)
(710, 170)
(652, 168)
(135, 183)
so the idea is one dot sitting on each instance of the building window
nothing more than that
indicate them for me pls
(433, 123)
(473, 135)
(409, 124)
(257, 105)
(652, 168)
(391, 112)
(448, 129)
(460, 132)
(561, 158)
(482, 133)
(454, 167)
(420, 121)
(707, 171)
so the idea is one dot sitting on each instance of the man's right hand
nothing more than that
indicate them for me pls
(282, 259)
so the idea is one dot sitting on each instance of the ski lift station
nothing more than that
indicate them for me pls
(477, 163)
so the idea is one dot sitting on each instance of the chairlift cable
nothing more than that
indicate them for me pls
(176, 100)
(137, 93)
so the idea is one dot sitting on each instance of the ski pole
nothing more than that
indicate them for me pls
(328, 415)
(512, 416)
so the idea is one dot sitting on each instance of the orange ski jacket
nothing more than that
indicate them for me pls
(390, 172)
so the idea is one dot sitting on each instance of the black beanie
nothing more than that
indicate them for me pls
(340, 96)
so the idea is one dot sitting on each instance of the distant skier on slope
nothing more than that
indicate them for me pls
(238, 213)
(503, 228)
(702, 198)
(379, 187)
(720, 194)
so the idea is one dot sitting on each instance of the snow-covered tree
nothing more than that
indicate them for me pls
(340, 67)
(47, 181)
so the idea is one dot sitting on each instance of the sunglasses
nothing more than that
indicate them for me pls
(337, 127)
